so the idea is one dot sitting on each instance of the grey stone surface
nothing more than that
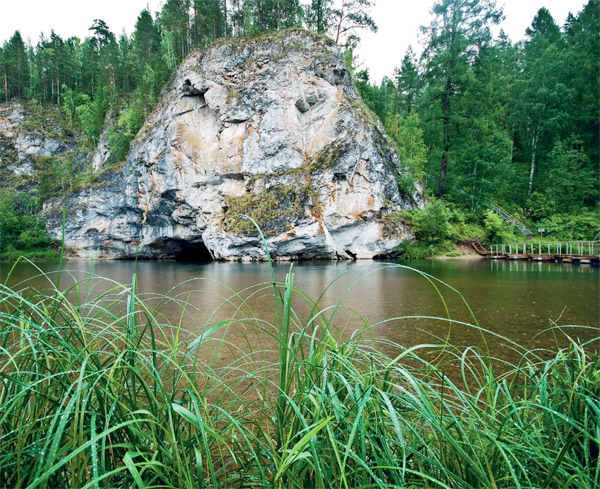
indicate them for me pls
(18, 145)
(245, 137)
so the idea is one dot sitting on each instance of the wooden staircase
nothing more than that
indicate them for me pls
(479, 248)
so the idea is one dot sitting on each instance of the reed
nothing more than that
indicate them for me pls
(99, 390)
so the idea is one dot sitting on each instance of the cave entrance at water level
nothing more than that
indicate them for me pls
(181, 250)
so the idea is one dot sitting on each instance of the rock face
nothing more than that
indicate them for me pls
(19, 146)
(269, 127)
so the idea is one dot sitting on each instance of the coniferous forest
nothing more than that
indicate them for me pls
(480, 119)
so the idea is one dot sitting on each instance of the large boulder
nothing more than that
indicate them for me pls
(269, 127)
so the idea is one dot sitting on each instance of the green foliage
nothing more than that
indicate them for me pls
(132, 119)
(208, 22)
(408, 83)
(60, 176)
(460, 30)
(497, 230)
(408, 135)
(572, 179)
(14, 68)
(439, 226)
(119, 143)
(570, 187)
(467, 226)
(146, 39)
(432, 224)
(130, 122)
(21, 232)
(542, 94)
(57, 175)
(433, 232)
(584, 225)
(540, 206)
(318, 15)
(91, 115)
(502, 123)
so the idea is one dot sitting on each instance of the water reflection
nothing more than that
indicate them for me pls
(516, 299)
(539, 266)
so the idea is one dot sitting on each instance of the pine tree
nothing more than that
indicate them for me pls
(207, 21)
(458, 31)
(174, 24)
(583, 58)
(271, 15)
(57, 57)
(542, 95)
(125, 71)
(319, 15)
(3, 75)
(408, 83)
(482, 146)
(146, 39)
(15, 68)
(349, 17)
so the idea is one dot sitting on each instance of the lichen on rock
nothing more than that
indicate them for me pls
(270, 127)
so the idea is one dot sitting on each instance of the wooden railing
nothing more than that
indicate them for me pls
(512, 219)
(557, 248)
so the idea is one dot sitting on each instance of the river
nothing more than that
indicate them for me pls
(515, 300)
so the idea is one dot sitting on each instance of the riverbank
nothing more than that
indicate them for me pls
(462, 252)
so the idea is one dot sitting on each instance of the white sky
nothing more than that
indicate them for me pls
(398, 22)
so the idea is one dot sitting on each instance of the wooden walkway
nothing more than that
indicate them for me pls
(584, 252)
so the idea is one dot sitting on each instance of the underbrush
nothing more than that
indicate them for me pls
(100, 390)
(440, 226)
(12, 255)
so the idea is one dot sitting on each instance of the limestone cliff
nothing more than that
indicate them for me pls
(25, 140)
(269, 127)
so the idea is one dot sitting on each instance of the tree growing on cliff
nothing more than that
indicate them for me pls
(318, 15)
(92, 114)
(146, 40)
(14, 68)
(208, 21)
(174, 24)
(349, 17)
(271, 15)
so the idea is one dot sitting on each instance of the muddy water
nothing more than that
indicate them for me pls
(515, 300)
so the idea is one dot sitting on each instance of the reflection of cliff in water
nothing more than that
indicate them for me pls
(513, 299)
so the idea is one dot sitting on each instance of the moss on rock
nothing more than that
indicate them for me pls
(274, 210)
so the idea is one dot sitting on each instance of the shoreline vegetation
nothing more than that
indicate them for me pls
(99, 389)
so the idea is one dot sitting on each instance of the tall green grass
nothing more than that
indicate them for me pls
(98, 389)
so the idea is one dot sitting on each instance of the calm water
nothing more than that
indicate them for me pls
(517, 300)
